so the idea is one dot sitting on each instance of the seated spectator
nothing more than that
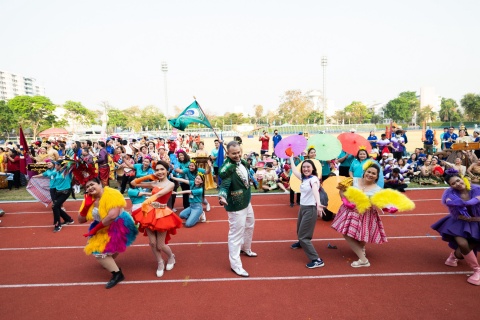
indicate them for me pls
(395, 180)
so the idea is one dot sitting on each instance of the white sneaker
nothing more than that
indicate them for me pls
(174, 210)
(203, 217)
(208, 207)
(160, 269)
(170, 263)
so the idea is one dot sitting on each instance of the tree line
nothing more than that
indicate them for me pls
(37, 113)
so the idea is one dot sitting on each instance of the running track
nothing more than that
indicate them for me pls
(47, 276)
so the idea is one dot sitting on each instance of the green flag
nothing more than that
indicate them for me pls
(192, 113)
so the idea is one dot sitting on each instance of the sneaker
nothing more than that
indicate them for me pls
(57, 228)
(315, 264)
(291, 204)
(174, 210)
(208, 207)
(203, 218)
(296, 245)
(68, 222)
(359, 263)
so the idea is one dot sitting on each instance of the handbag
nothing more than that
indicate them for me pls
(323, 195)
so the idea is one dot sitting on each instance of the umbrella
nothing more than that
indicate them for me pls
(351, 142)
(53, 132)
(330, 186)
(328, 147)
(296, 142)
(295, 182)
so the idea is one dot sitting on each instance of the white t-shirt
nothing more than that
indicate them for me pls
(306, 191)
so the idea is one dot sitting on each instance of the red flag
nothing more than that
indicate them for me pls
(23, 143)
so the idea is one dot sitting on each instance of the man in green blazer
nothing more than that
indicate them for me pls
(235, 195)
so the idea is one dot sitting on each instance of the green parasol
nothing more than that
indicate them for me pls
(328, 147)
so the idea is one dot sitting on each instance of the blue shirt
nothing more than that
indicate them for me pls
(276, 139)
(63, 182)
(134, 197)
(197, 193)
(373, 144)
(51, 173)
(139, 172)
(348, 161)
(447, 136)
(191, 177)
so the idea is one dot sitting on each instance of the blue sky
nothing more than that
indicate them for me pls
(232, 55)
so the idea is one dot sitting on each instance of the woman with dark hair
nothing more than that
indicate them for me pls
(372, 139)
(461, 228)
(112, 229)
(190, 174)
(62, 184)
(182, 165)
(310, 209)
(156, 220)
(194, 213)
(356, 228)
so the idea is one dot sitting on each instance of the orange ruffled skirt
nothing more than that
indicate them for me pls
(157, 219)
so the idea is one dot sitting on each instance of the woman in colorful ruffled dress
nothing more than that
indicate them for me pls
(358, 219)
(155, 219)
(461, 228)
(112, 229)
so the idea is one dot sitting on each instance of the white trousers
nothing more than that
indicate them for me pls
(240, 234)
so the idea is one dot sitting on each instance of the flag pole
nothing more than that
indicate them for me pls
(211, 127)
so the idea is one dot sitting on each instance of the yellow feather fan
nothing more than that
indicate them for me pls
(360, 199)
(392, 198)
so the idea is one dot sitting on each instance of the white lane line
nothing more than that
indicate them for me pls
(219, 243)
(256, 220)
(190, 280)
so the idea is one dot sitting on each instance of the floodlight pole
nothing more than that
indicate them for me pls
(324, 67)
(165, 70)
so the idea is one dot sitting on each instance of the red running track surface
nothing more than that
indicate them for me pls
(46, 275)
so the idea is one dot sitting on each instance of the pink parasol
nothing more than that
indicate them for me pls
(297, 143)
(351, 143)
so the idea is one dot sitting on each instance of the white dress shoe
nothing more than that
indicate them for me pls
(240, 272)
(170, 263)
(249, 253)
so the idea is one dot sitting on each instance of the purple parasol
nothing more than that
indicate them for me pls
(297, 143)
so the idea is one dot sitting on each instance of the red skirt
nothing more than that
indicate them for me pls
(157, 219)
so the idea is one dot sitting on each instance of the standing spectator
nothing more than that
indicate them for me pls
(264, 139)
(405, 141)
(13, 166)
(213, 158)
(384, 144)
(241, 219)
(172, 145)
(276, 139)
(372, 138)
(103, 167)
(449, 138)
(398, 144)
(442, 144)
(345, 161)
(428, 142)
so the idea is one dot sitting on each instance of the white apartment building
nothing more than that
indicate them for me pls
(13, 84)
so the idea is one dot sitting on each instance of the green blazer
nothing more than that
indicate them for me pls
(234, 188)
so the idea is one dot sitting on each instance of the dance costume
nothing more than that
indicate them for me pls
(363, 223)
(115, 237)
(454, 224)
(155, 215)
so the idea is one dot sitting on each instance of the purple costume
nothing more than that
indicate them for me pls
(450, 226)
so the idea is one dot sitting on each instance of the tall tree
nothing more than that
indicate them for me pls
(134, 120)
(152, 118)
(403, 107)
(32, 112)
(426, 114)
(78, 114)
(8, 122)
(117, 119)
(258, 109)
(295, 107)
(471, 105)
(356, 112)
(449, 110)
